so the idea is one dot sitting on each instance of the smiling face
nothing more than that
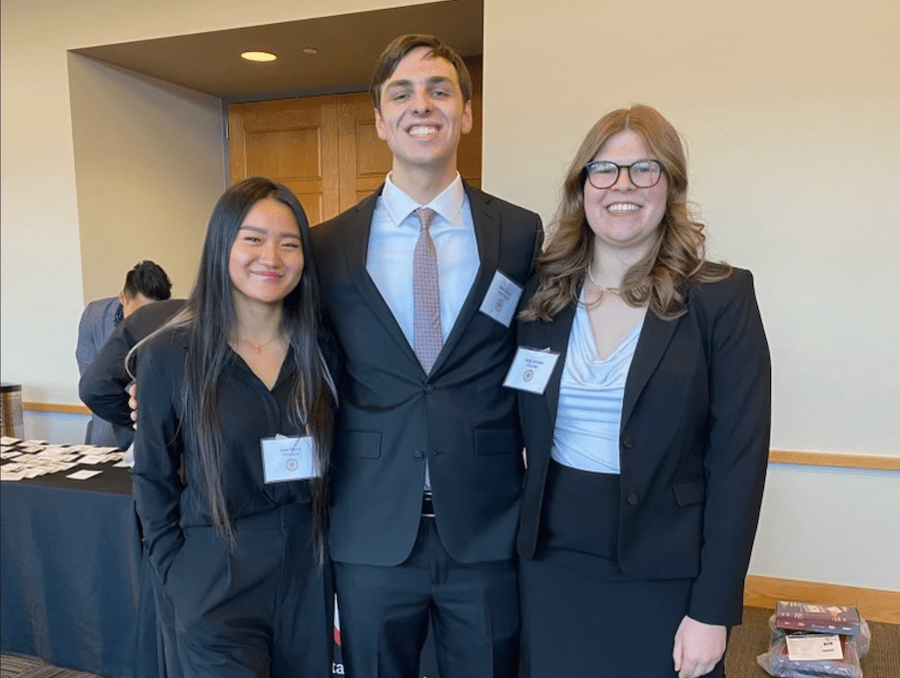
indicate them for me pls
(422, 116)
(625, 217)
(266, 260)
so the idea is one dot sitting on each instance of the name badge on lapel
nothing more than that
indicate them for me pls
(531, 370)
(289, 458)
(501, 299)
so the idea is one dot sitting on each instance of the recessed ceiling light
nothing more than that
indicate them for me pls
(258, 56)
(310, 50)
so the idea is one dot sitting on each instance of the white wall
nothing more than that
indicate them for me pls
(790, 111)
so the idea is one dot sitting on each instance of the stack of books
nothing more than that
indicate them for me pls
(840, 619)
(812, 640)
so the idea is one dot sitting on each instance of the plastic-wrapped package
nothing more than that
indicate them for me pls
(776, 661)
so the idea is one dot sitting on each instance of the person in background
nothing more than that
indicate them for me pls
(237, 392)
(102, 386)
(420, 282)
(647, 444)
(145, 283)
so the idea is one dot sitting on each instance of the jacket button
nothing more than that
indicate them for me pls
(418, 455)
(632, 500)
(429, 388)
(628, 442)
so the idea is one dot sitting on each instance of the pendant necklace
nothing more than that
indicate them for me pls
(613, 290)
(260, 347)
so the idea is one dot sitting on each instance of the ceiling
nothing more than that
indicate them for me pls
(348, 46)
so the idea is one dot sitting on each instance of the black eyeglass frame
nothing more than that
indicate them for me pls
(619, 168)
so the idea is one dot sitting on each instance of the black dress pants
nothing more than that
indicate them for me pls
(263, 609)
(385, 611)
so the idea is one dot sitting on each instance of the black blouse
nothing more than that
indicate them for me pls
(248, 412)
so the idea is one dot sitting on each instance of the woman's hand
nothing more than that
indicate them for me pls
(698, 647)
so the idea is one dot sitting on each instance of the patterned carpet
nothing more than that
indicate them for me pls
(747, 641)
(27, 667)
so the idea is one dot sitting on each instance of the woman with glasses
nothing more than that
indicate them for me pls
(647, 436)
(234, 436)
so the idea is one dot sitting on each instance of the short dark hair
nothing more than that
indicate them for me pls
(149, 279)
(394, 53)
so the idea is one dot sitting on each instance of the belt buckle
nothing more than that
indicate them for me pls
(427, 505)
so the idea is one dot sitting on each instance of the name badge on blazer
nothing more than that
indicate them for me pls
(501, 300)
(289, 458)
(531, 370)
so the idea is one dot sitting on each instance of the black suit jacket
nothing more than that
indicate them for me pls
(102, 388)
(693, 443)
(392, 415)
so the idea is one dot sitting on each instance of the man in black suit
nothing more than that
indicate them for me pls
(102, 386)
(427, 463)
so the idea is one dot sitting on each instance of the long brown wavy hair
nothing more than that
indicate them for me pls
(676, 258)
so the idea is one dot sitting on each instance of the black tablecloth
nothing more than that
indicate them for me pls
(76, 591)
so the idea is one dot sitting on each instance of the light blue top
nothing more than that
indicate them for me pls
(590, 399)
(392, 243)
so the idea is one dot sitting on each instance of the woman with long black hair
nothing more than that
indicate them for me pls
(232, 448)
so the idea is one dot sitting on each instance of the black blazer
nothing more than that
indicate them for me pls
(693, 443)
(392, 415)
(102, 388)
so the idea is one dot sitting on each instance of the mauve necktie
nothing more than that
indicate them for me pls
(427, 337)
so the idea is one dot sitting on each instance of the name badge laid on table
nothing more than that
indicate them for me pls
(501, 299)
(531, 370)
(289, 458)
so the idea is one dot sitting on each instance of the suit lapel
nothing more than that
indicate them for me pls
(556, 337)
(358, 230)
(655, 337)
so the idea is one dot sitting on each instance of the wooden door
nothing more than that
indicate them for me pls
(293, 141)
(365, 159)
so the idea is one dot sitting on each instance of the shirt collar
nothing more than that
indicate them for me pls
(399, 205)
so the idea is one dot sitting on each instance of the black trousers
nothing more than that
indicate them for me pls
(262, 609)
(581, 615)
(385, 611)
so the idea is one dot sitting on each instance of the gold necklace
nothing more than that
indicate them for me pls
(260, 347)
(613, 290)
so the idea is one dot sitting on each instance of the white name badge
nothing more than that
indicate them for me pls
(501, 299)
(289, 458)
(531, 370)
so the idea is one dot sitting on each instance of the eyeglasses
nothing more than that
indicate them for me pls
(643, 173)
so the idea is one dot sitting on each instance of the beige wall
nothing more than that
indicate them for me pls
(149, 166)
(791, 114)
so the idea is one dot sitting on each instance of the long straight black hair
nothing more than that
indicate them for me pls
(209, 319)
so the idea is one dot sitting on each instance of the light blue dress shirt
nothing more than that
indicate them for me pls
(392, 242)
(591, 392)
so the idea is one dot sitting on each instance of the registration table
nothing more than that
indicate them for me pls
(75, 589)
